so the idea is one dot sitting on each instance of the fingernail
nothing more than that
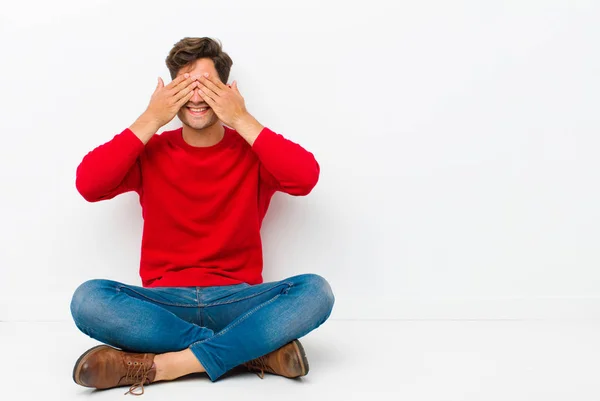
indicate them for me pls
(206, 74)
(186, 75)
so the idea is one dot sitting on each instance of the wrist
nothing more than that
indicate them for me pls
(150, 120)
(248, 127)
(145, 127)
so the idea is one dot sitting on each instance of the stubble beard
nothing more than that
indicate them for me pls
(199, 123)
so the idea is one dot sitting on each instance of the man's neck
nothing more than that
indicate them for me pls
(209, 136)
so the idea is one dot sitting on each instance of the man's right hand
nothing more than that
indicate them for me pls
(164, 105)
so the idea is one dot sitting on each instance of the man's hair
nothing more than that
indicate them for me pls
(188, 50)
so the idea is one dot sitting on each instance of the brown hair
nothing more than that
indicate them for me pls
(188, 50)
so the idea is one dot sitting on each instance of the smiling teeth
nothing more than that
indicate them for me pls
(199, 110)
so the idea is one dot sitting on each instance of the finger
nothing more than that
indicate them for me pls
(234, 86)
(178, 80)
(187, 84)
(184, 100)
(211, 102)
(211, 85)
(217, 81)
(182, 85)
(208, 92)
(185, 91)
(159, 84)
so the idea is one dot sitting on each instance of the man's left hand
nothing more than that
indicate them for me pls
(226, 101)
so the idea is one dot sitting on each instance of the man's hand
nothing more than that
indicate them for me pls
(167, 100)
(164, 105)
(226, 101)
(229, 106)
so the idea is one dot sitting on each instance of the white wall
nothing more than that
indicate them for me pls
(458, 143)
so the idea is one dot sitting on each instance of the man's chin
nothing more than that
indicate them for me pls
(199, 125)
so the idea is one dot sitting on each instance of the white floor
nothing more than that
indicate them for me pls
(380, 360)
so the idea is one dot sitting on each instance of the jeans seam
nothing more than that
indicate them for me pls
(199, 308)
(244, 317)
(289, 284)
(120, 287)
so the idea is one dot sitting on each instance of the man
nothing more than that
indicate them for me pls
(204, 191)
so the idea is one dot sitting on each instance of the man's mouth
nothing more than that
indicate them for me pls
(198, 111)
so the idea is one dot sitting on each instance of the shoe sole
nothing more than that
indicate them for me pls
(302, 354)
(78, 364)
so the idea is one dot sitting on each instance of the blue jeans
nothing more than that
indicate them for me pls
(224, 326)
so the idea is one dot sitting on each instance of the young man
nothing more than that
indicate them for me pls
(204, 191)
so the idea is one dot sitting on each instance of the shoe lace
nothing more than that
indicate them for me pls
(260, 365)
(138, 374)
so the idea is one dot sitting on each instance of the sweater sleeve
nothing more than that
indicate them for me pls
(285, 164)
(111, 168)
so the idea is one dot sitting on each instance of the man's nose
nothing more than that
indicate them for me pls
(196, 98)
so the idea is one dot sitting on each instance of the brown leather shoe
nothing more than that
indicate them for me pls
(289, 361)
(104, 367)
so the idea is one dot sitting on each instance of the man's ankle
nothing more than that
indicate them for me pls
(171, 365)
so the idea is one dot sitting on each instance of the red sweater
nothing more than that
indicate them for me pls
(202, 207)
